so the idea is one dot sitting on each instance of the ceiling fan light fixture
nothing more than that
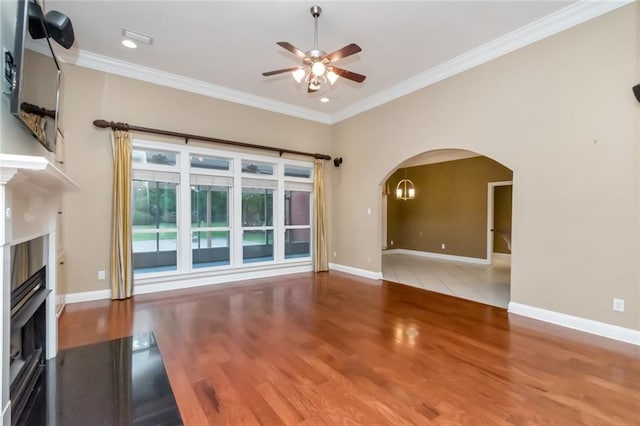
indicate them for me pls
(318, 68)
(332, 76)
(314, 84)
(298, 75)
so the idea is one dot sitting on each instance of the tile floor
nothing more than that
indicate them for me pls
(489, 284)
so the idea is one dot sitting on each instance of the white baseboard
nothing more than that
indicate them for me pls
(356, 271)
(60, 309)
(440, 256)
(87, 296)
(188, 282)
(627, 335)
(176, 282)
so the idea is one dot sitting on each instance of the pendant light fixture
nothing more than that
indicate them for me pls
(405, 190)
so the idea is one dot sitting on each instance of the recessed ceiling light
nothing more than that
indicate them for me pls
(128, 43)
(324, 100)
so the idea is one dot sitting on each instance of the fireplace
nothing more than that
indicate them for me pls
(28, 327)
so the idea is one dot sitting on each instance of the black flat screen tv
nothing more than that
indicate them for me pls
(36, 77)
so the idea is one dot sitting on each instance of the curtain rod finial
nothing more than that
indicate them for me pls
(103, 124)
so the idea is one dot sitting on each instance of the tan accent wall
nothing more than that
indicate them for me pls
(559, 113)
(502, 199)
(450, 207)
(90, 95)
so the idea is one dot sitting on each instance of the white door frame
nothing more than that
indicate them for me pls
(384, 221)
(490, 197)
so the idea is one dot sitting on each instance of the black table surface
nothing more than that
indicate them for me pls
(118, 382)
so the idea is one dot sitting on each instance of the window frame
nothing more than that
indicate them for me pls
(185, 228)
(228, 228)
(291, 227)
(153, 167)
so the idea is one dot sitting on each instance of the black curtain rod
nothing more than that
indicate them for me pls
(103, 124)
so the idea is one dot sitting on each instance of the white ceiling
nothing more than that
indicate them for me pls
(227, 45)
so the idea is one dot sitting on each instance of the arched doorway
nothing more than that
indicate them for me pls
(454, 235)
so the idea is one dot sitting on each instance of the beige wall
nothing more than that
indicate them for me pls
(559, 114)
(450, 207)
(90, 95)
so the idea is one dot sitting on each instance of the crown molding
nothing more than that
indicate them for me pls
(563, 19)
(568, 17)
(152, 75)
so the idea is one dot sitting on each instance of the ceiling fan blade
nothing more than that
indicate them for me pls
(310, 90)
(350, 75)
(343, 53)
(291, 48)
(290, 69)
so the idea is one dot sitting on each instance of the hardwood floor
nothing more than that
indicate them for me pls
(335, 349)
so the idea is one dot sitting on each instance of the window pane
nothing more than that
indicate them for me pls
(257, 168)
(211, 163)
(210, 248)
(299, 172)
(149, 156)
(297, 243)
(297, 208)
(154, 252)
(257, 207)
(209, 206)
(257, 246)
(153, 205)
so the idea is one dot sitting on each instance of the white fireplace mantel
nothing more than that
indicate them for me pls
(31, 189)
(34, 173)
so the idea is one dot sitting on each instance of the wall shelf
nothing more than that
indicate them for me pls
(34, 173)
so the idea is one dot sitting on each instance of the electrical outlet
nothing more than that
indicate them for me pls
(443, 246)
(368, 260)
(391, 242)
(421, 233)
(369, 210)
(101, 275)
(334, 253)
(618, 305)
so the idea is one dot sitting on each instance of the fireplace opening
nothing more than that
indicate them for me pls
(28, 326)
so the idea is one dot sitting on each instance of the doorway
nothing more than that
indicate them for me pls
(499, 202)
(442, 240)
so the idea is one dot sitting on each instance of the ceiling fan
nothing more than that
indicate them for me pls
(317, 66)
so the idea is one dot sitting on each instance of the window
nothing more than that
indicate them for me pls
(297, 172)
(209, 163)
(154, 157)
(154, 222)
(209, 212)
(257, 220)
(297, 220)
(252, 167)
(210, 231)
